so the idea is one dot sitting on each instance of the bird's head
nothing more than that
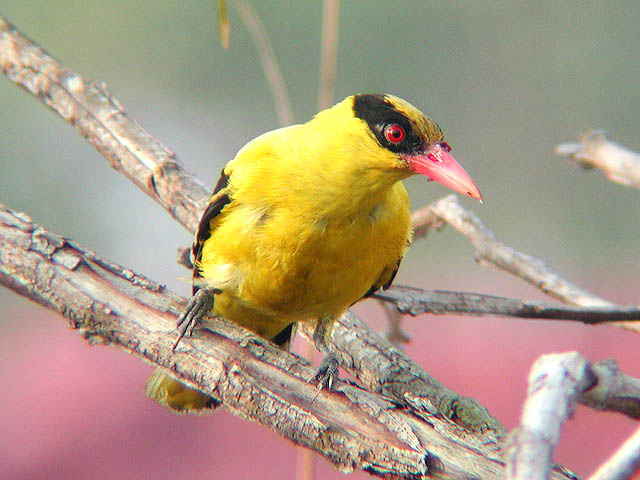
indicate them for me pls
(410, 142)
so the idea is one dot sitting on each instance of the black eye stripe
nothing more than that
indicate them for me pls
(379, 113)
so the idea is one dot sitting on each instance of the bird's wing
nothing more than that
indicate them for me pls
(219, 199)
(384, 280)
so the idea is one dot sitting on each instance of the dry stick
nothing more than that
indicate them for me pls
(622, 464)
(595, 150)
(613, 391)
(492, 252)
(414, 301)
(556, 383)
(330, 22)
(99, 118)
(267, 59)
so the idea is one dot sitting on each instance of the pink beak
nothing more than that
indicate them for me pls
(438, 164)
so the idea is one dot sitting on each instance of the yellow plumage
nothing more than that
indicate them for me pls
(307, 220)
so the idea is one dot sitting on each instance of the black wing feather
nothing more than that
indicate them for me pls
(219, 199)
(376, 286)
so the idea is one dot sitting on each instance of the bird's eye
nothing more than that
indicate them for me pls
(394, 133)
(445, 146)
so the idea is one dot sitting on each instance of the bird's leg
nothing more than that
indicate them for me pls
(328, 370)
(198, 306)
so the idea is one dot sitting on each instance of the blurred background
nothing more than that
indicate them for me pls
(507, 81)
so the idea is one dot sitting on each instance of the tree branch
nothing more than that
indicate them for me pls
(556, 383)
(99, 118)
(415, 301)
(624, 463)
(353, 428)
(267, 58)
(489, 251)
(595, 150)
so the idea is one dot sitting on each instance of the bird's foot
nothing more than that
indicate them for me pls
(326, 374)
(198, 306)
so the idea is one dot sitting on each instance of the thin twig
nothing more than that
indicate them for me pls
(268, 60)
(330, 26)
(614, 391)
(489, 251)
(414, 301)
(595, 150)
(624, 463)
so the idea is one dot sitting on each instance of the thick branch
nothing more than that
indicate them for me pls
(414, 301)
(595, 150)
(351, 427)
(102, 120)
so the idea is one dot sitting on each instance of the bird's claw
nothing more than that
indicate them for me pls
(325, 375)
(198, 306)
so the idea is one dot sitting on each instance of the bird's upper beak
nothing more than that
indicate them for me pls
(436, 163)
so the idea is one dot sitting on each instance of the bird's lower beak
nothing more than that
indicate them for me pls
(438, 164)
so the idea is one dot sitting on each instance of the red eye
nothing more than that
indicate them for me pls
(394, 133)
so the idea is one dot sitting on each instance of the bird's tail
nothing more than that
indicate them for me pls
(176, 396)
(179, 398)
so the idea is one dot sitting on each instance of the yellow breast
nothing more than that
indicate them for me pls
(313, 223)
(274, 268)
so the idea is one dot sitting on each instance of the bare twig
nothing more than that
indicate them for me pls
(267, 58)
(330, 23)
(414, 301)
(624, 463)
(224, 28)
(614, 391)
(395, 334)
(595, 150)
(492, 252)
(555, 383)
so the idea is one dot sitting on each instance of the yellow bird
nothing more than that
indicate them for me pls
(307, 220)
